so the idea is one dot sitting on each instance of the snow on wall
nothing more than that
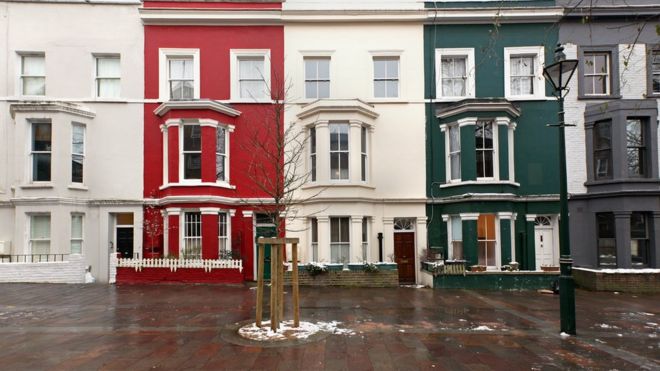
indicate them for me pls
(71, 271)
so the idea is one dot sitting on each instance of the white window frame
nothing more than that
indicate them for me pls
(451, 237)
(496, 158)
(84, 127)
(538, 82)
(339, 151)
(314, 242)
(184, 237)
(80, 239)
(182, 178)
(397, 57)
(364, 235)
(364, 154)
(340, 243)
(95, 88)
(227, 237)
(30, 240)
(226, 154)
(448, 167)
(497, 240)
(313, 154)
(163, 70)
(20, 76)
(317, 80)
(470, 86)
(235, 55)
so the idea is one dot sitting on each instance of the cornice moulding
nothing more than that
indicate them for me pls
(165, 107)
(209, 17)
(50, 106)
(487, 15)
(335, 106)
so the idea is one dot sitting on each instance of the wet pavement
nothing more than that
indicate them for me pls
(92, 327)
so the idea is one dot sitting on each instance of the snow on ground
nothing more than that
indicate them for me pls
(288, 332)
(482, 328)
(564, 335)
(605, 325)
(622, 270)
(413, 286)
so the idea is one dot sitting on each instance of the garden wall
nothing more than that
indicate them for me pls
(181, 275)
(70, 271)
(624, 280)
(386, 276)
(496, 280)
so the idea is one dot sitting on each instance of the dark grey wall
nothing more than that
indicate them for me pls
(608, 32)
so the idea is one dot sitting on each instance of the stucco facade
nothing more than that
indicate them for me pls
(378, 189)
(70, 157)
(614, 194)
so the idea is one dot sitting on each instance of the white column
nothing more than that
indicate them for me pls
(354, 146)
(324, 238)
(355, 252)
(388, 238)
(322, 153)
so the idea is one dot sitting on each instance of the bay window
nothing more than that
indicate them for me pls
(602, 152)
(76, 233)
(312, 154)
(454, 153)
(192, 235)
(365, 238)
(192, 151)
(606, 245)
(339, 151)
(221, 154)
(314, 231)
(363, 154)
(33, 74)
(456, 238)
(224, 249)
(41, 151)
(39, 234)
(77, 152)
(486, 240)
(339, 240)
(635, 147)
(639, 240)
(484, 148)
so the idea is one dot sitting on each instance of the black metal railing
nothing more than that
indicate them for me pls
(33, 258)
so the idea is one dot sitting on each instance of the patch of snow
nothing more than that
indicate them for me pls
(482, 328)
(564, 335)
(288, 332)
(647, 314)
(402, 330)
(622, 270)
(605, 325)
(651, 324)
(600, 341)
(619, 335)
(413, 286)
(462, 320)
(653, 336)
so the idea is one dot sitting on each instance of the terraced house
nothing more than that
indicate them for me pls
(492, 163)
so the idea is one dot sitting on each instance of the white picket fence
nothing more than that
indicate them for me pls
(174, 264)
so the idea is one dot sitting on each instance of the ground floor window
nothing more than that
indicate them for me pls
(314, 229)
(639, 240)
(456, 238)
(192, 235)
(339, 240)
(76, 233)
(223, 236)
(365, 238)
(486, 240)
(606, 240)
(40, 234)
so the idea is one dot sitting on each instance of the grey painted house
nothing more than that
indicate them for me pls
(612, 151)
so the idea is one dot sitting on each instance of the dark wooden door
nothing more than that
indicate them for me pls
(125, 241)
(404, 255)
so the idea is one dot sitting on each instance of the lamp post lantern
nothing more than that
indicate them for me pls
(559, 74)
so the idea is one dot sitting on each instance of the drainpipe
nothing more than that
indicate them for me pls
(380, 246)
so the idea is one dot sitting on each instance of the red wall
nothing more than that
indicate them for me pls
(181, 275)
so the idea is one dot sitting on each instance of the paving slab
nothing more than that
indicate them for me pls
(133, 327)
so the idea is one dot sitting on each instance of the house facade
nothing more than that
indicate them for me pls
(210, 81)
(492, 164)
(360, 108)
(70, 131)
(612, 150)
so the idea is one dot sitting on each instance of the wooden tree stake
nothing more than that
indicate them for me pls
(260, 283)
(294, 285)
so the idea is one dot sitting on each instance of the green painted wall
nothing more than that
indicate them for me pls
(490, 281)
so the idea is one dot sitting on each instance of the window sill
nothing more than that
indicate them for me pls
(337, 185)
(480, 182)
(597, 97)
(78, 187)
(42, 185)
(387, 100)
(620, 181)
(251, 101)
(198, 184)
(452, 99)
(108, 100)
(529, 98)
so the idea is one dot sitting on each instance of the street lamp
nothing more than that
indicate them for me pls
(559, 74)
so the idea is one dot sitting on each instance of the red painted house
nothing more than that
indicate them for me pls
(210, 69)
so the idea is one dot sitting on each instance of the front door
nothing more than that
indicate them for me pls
(265, 231)
(125, 241)
(544, 241)
(404, 255)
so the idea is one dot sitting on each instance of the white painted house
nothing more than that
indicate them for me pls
(357, 91)
(71, 144)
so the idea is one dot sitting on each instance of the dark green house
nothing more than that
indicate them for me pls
(492, 161)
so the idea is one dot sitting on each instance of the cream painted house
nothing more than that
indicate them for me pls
(357, 91)
(71, 143)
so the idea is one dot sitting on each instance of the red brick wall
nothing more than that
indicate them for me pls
(181, 275)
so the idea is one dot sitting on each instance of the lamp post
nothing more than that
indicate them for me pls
(559, 74)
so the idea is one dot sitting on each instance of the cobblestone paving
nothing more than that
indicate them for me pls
(180, 327)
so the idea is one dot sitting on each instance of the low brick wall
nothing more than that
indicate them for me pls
(70, 271)
(349, 278)
(181, 275)
(520, 280)
(595, 280)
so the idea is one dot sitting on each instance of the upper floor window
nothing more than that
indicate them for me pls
(523, 72)
(454, 153)
(597, 73)
(108, 77)
(317, 77)
(386, 77)
(76, 233)
(606, 245)
(221, 158)
(312, 154)
(635, 147)
(340, 240)
(179, 74)
(654, 71)
(485, 149)
(363, 154)
(33, 74)
(192, 151)
(250, 71)
(603, 150)
(39, 234)
(339, 151)
(41, 151)
(77, 152)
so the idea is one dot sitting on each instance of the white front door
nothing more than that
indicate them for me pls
(544, 240)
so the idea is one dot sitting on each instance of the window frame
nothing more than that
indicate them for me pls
(341, 244)
(538, 82)
(314, 238)
(646, 240)
(165, 54)
(96, 88)
(317, 80)
(364, 153)
(470, 85)
(642, 149)
(32, 239)
(339, 151)
(650, 51)
(81, 155)
(496, 247)
(609, 150)
(225, 155)
(493, 150)
(613, 51)
(184, 254)
(33, 152)
(365, 238)
(183, 152)
(388, 78)
(235, 89)
(226, 238)
(451, 239)
(313, 154)
(80, 239)
(449, 167)
(613, 238)
(20, 76)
